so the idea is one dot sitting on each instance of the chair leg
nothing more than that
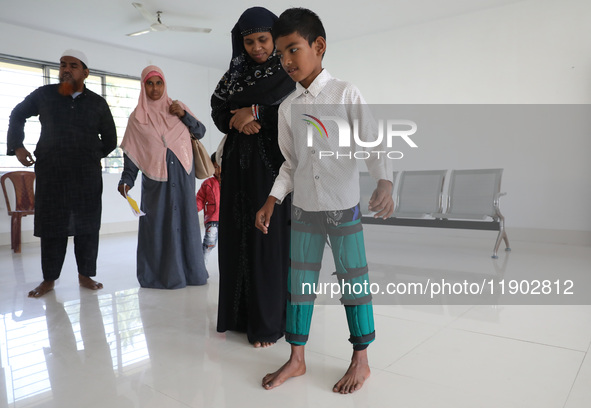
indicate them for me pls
(501, 237)
(15, 233)
(507, 246)
(497, 244)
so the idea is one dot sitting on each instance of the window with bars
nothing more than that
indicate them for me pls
(20, 77)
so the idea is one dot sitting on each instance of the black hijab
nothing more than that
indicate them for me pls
(246, 82)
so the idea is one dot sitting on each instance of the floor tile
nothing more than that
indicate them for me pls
(124, 346)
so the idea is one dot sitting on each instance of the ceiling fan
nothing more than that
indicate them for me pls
(158, 25)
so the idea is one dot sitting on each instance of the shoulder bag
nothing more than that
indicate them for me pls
(203, 165)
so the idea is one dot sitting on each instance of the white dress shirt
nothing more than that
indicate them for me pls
(324, 176)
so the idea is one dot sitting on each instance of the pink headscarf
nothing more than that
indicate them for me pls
(151, 130)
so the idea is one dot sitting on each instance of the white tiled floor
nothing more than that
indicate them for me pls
(129, 347)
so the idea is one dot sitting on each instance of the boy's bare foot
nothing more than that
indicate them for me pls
(356, 374)
(263, 344)
(42, 289)
(89, 283)
(294, 367)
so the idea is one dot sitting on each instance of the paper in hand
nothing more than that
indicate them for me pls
(134, 207)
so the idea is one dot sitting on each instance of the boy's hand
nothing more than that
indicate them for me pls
(263, 216)
(381, 200)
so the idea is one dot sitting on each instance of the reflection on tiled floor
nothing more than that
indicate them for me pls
(125, 346)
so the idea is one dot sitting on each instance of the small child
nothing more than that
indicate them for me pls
(325, 199)
(208, 199)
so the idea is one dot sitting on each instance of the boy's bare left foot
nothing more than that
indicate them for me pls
(42, 289)
(356, 374)
(295, 366)
(89, 283)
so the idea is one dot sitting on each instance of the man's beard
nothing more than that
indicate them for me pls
(67, 84)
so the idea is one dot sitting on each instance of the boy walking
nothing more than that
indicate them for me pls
(208, 200)
(325, 198)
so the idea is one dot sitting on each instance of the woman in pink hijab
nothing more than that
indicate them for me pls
(157, 141)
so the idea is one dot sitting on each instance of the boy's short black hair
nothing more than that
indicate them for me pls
(213, 157)
(299, 20)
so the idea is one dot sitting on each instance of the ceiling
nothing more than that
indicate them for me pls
(108, 21)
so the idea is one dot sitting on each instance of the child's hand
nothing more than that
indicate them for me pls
(263, 216)
(241, 118)
(381, 200)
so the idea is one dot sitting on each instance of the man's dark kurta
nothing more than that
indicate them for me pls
(75, 135)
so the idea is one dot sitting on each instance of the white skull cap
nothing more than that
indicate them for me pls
(76, 54)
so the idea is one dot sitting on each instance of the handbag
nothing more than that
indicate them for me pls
(203, 165)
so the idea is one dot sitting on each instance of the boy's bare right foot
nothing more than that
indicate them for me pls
(42, 289)
(356, 375)
(294, 367)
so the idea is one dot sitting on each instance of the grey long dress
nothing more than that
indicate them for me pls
(169, 251)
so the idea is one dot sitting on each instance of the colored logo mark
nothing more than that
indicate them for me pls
(317, 124)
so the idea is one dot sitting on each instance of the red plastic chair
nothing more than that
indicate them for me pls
(24, 192)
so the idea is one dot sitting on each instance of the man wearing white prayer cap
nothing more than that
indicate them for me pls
(78, 55)
(77, 131)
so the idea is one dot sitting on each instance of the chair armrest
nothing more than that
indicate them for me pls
(496, 199)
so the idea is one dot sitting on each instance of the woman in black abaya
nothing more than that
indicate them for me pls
(253, 266)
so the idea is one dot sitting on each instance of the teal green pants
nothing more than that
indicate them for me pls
(308, 238)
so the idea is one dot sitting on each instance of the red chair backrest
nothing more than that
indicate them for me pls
(24, 191)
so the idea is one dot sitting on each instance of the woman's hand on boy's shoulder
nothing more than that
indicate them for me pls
(381, 200)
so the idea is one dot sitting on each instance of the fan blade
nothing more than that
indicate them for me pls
(147, 15)
(159, 27)
(146, 31)
(189, 29)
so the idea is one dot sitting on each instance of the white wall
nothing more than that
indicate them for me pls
(189, 83)
(531, 52)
